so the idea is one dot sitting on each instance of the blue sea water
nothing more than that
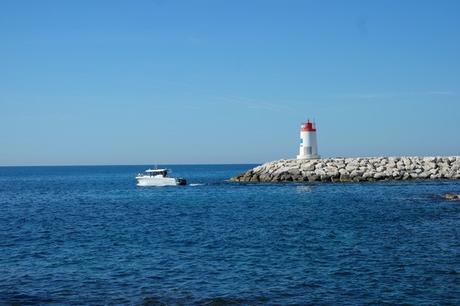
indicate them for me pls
(88, 235)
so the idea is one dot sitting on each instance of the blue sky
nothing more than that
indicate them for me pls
(136, 82)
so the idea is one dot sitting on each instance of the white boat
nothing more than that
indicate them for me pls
(158, 177)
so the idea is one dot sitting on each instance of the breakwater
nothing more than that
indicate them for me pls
(354, 169)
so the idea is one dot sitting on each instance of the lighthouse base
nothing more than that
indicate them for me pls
(308, 157)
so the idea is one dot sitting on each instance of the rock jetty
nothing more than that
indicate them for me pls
(354, 169)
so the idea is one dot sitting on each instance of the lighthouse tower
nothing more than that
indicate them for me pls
(308, 143)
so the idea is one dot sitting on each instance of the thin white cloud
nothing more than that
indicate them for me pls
(442, 93)
(383, 95)
(252, 103)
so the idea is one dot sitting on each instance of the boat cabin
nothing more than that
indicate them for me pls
(156, 172)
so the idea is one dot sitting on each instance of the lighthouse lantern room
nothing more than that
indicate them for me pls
(308, 143)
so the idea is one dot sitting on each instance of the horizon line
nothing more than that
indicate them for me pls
(117, 165)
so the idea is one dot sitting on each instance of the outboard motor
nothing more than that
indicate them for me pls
(181, 181)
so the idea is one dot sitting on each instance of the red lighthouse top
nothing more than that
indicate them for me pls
(307, 127)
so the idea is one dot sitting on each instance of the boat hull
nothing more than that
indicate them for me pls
(160, 181)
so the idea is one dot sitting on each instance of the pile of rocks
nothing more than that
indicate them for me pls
(354, 169)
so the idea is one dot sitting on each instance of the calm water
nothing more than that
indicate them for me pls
(88, 235)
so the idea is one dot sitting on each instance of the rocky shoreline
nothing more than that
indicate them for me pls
(354, 169)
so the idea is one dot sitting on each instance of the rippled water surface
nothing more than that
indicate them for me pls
(88, 235)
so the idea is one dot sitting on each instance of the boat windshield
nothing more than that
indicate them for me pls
(162, 172)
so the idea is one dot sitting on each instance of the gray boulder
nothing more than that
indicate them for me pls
(452, 196)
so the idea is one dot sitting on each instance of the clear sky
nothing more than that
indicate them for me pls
(135, 82)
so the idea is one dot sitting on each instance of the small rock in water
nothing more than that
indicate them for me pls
(452, 196)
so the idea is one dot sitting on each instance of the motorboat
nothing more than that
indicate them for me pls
(158, 177)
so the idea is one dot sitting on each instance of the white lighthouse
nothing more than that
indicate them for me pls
(308, 143)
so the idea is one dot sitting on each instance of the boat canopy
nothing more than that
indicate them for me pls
(156, 170)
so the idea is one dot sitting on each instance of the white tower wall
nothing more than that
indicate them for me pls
(308, 142)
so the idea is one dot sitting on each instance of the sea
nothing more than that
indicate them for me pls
(87, 235)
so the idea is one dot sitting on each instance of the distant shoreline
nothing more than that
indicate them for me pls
(354, 169)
